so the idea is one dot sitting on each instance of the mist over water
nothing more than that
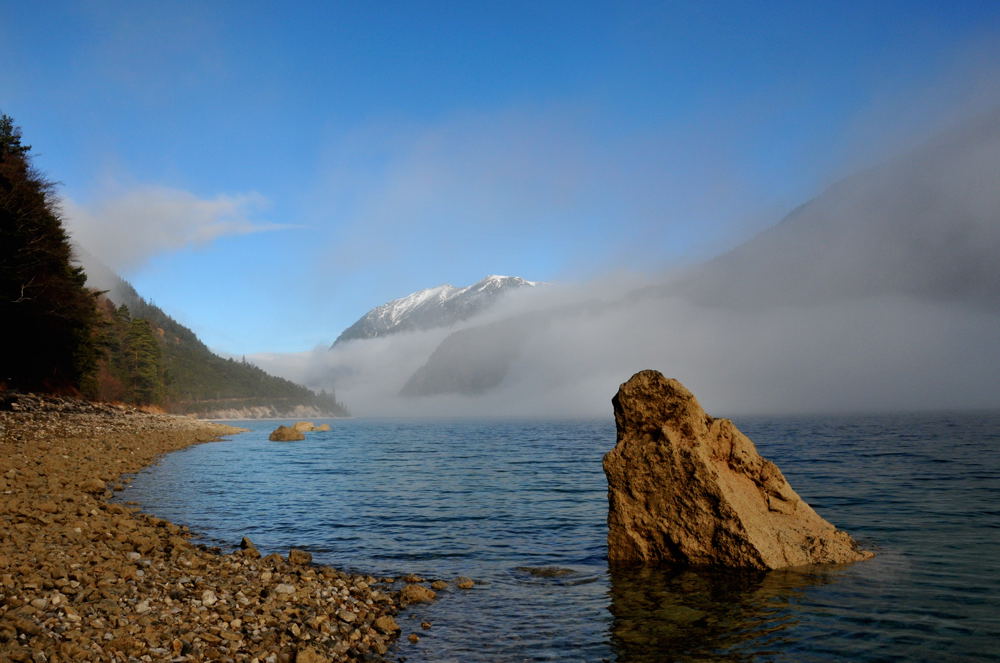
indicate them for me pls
(883, 293)
(878, 354)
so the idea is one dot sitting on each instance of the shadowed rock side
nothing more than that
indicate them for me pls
(688, 489)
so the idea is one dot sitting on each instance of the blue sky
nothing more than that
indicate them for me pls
(267, 173)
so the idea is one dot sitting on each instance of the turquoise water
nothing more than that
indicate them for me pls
(487, 498)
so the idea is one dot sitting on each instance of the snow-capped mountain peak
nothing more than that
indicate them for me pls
(440, 306)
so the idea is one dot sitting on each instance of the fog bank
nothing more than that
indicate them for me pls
(883, 293)
(871, 355)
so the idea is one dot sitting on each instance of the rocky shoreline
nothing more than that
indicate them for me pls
(83, 579)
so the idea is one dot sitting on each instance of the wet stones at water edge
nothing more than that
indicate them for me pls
(688, 489)
(248, 549)
(301, 557)
(416, 594)
(82, 579)
(386, 624)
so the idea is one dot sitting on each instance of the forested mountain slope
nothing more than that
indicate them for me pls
(193, 378)
(62, 335)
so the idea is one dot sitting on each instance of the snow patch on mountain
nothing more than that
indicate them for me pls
(441, 306)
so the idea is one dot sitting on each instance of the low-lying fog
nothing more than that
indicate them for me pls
(878, 354)
(881, 294)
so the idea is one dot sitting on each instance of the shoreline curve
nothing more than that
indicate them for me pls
(86, 579)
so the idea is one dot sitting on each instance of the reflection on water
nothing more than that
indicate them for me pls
(522, 507)
(668, 614)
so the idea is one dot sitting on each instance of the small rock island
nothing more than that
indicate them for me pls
(295, 432)
(688, 489)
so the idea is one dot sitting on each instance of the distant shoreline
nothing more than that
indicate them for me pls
(293, 419)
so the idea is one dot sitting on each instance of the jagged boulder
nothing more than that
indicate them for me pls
(286, 434)
(688, 489)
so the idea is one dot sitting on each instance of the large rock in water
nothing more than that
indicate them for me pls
(286, 434)
(688, 489)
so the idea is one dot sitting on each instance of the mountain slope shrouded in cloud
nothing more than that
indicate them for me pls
(891, 274)
(442, 306)
(925, 225)
(883, 292)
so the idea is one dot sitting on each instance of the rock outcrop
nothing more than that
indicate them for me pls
(286, 434)
(688, 489)
(309, 427)
(296, 431)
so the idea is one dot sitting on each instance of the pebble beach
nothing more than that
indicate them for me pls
(86, 579)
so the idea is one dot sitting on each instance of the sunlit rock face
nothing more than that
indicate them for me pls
(286, 434)
(687, 489)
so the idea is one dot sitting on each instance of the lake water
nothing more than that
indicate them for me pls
(486, 498)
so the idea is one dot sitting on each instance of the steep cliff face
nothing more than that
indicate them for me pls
(688, 489)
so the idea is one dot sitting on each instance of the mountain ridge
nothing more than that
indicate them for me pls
(440, 306)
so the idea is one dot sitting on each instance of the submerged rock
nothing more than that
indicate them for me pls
(286, 434)
(415, 594)
(545, 571)
(688, 489)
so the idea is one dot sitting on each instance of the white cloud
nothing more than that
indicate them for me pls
(505, 191)
(128, 228)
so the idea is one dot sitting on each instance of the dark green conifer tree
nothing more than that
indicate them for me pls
(145, 371)
(46, 314)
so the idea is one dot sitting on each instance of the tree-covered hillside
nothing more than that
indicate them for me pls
(60, 336)
(194, 379)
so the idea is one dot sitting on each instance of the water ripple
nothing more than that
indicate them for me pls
(487, 498)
